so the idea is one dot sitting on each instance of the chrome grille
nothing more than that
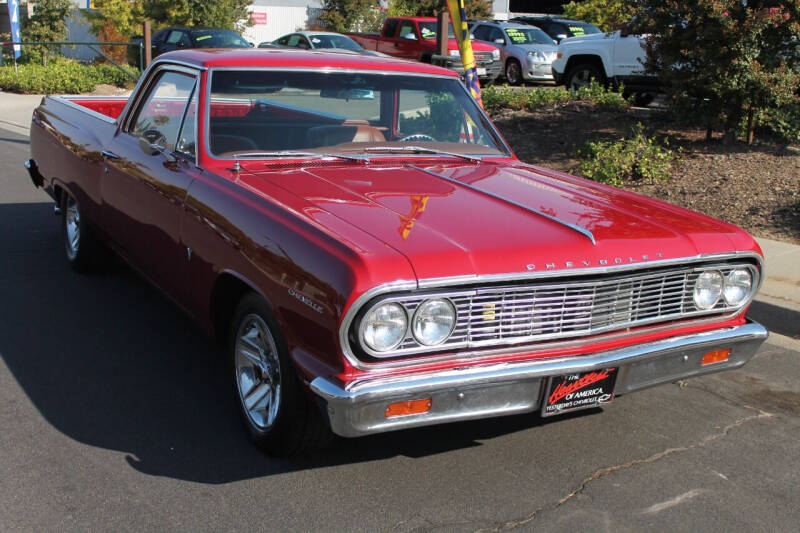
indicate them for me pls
(535, 311)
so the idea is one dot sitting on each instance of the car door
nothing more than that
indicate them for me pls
(629, 55)
(148, 167)
(407, 43)
(175, 40)
(385, 43)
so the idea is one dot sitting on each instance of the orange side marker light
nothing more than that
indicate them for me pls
(716, 356)
(411, 407)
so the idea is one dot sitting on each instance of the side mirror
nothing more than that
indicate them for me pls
(561, 36)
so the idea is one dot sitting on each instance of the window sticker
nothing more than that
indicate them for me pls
(577, 31)
(202, 37)
(428, 34)
(515, 35)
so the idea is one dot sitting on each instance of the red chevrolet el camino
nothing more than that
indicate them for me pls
(372, 252)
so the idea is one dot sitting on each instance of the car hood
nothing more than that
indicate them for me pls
(468, 219)
(544, 48)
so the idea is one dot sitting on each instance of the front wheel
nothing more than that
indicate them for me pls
(583, 75)
(513, 72)
(278, 414)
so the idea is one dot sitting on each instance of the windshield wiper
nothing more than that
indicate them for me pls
(418, 150)
(292, 153)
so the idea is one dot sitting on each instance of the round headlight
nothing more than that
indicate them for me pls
(737, 286)
(384, 327)
(707, 289)
(433, 321)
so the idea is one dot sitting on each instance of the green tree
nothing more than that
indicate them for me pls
(223, 14)
(125, 15)
(48, 23)
(348, 15)
(729, 63)
(476, 9)
(608, 15)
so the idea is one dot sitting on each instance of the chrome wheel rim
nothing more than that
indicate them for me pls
(582, 78)
(258, 372)
(512, 73)
(72, 221)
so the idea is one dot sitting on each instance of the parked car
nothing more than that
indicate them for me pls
(174, 38)
(373, 254)
(319, 40)
(526, 52)
(558, 28)
(610, 58)
(415, 38)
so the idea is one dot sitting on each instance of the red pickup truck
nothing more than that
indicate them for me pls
(415, 38)
(373, 255)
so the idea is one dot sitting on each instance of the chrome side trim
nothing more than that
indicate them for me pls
(471, 392)
(432, 283)
(583, 231)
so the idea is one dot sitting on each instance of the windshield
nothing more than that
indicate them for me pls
(219, 39)
(334, 41)
(428, 30)
(577, 29)
(344, 113)
(528, 36)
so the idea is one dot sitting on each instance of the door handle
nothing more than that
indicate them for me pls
(109, 155)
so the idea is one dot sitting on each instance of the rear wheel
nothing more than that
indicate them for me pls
(279, 415)
(513, 72)
(582, 75)
(79, 244)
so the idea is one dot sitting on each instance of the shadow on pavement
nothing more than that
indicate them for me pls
(109, 362)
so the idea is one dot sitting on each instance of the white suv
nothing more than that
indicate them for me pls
(610, 58)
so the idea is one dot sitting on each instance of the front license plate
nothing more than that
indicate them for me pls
(579, 391)
(481, 71)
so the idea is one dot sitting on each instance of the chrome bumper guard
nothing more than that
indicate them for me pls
(509, 388)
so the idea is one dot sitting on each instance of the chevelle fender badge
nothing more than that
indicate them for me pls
(599, 262)
(306, 300)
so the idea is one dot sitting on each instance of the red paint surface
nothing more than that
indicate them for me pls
(332, 232)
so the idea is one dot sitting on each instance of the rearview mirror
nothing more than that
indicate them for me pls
(347, 94)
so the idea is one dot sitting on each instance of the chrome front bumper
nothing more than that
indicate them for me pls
(508, 388)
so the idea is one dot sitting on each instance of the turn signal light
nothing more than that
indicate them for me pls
(716, 356)
(412, 407)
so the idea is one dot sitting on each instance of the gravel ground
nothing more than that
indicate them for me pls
(756, 187)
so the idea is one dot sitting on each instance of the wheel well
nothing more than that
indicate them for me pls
(57, 192)
(586, 58)
(514, 59)
(228, 290)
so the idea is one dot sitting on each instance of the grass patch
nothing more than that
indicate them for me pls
(632, 158)
(61, 76)
(501, 98)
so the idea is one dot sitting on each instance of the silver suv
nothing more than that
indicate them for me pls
(526, 52)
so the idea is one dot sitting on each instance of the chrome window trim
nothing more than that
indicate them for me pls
(499, 139)
(433, 283)
(145, 82)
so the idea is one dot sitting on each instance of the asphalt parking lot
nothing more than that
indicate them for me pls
(115, 414)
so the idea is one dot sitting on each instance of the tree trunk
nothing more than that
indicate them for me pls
(751, 126)
(709, 132)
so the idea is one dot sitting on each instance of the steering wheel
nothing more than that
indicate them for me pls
(418, 137)
(155, 138)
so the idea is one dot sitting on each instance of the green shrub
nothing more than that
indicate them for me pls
(61, 76)
(499, 98)
(634, 158)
